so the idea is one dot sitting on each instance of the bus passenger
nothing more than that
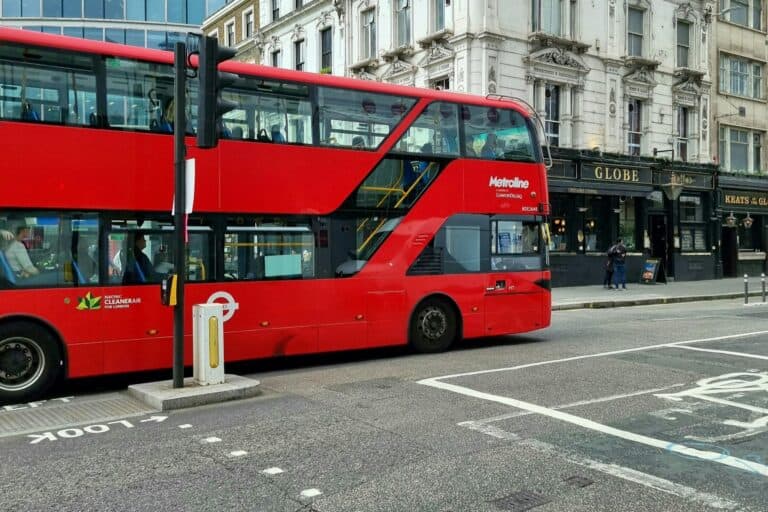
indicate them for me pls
(277, 135)
(138, 268)
(489, 149)
(358, 142)
(17, 255)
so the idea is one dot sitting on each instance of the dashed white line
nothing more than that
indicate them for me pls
(238, 453)
(310, 493)
(211, 440)
(272, 471)
(186, 425)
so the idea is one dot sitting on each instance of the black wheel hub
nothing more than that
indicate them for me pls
(20, 363)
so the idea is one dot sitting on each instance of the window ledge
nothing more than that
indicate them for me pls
(686, 72)
(439, 35)
(745, 27)
(545, 39)
(739, 96)
(405, 50)
(371, 62)
(634, 61)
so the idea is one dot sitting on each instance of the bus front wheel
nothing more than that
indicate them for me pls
(433, 327)
(30, 361)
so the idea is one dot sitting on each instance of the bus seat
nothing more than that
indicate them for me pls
(10, 276)
(161, 126)
(139, 273)
(78, 273)
(28, 113)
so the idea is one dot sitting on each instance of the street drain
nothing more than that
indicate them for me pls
(578, 481)
(520, 501)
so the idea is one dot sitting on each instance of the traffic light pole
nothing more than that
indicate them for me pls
(179, 218)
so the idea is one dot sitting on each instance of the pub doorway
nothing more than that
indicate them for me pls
(659, 239)
(729, 251)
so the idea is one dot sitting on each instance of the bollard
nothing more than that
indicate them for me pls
(746, 290)
(762, 282)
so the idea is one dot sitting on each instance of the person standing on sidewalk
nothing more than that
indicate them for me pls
(608, 268)
(619, 252)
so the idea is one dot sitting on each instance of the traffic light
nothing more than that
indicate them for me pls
(210, 105)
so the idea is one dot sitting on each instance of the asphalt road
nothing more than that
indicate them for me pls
(655, 408)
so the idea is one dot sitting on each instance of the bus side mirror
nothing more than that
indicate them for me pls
(168, 290)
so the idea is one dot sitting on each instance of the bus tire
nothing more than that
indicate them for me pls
(433, 326)
(30, 361)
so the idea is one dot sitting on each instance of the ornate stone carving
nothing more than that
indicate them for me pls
(398, 67)
(557, 56)
(297, 33)
(324, 19)
(437, 51)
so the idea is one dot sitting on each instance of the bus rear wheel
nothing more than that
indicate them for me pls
(433, 326)
(29, 361)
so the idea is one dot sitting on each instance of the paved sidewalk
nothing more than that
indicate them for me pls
(583, 297)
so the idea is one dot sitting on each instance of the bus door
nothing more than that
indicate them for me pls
(512, 299)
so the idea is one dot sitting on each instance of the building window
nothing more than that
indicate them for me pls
(741, 76)
(275, 10)
(369, 33)
(403, 22)
(276, 58)
(441, 84)
(298, 4)
(635, 32)
(748, 13)
(439, 16)
(683, 43)
(547, 16)
(740, 150)
(692, 225)
(248, 25)
(552, 109)
(230, 34)
(299, 50)
(634, 131)
(682, 133)
(326, 50)
(628, 223)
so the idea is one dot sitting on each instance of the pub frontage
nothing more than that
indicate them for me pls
(744, 219)
(663, 210)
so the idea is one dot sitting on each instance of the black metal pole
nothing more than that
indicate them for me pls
(179, 218)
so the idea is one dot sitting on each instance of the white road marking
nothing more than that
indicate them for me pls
(726, 352)
(211, 440)
(155, 419)
(238, 453)
(614, 470)
(591, 356)
(490, 430)
(186, 425)
(310, 493)
(727, 460)
(573, 404)
(638, 477)
(272, 471)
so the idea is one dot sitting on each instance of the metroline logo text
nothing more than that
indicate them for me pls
(507, 183)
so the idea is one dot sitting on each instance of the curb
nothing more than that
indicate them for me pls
(603, 304)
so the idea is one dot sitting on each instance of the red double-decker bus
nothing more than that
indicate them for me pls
(336, 214)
